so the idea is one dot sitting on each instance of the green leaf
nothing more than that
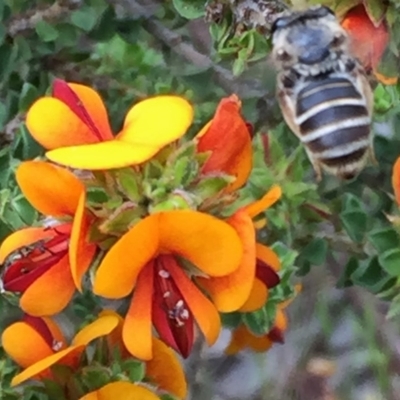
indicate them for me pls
(390, 261)
(259, 322)
(105, 26)
(46, 32)
(28, 94)
(394, 309)
(136, 370)
(231, 320)
(375, 10)
(315, 251)
(190, 9)
(349, 269)
(355, 223)
(85, 18)
(384, 239)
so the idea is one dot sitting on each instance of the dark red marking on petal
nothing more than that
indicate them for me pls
(30, 262)
(266, 274)
(40, 327)
(276, 335)
(63, 92)
(251, 129)
(170, 314)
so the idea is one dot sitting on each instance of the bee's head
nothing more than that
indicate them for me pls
(310, 39)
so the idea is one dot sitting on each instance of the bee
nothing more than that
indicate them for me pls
(323, 91)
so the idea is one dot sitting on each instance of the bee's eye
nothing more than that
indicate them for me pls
(283, 55)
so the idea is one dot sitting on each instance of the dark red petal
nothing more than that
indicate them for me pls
(41, 327)
(168, 308)
(266, 274)
(276, 335)
(63, 92)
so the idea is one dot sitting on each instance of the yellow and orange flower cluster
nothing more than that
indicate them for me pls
(146, 216)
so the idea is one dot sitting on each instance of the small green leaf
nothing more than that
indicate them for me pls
(355, 223)
(375, 10)
(384, 239)
(315, 251)
(231, 320)
(190, 9)
(349, 269)
(28, 94)
(85, 18)
(46, 32)
(390, 261)
(105, 25)
(259, 322)
(394, 309)
(136, 370)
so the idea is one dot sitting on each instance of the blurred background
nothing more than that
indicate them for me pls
(342, 340)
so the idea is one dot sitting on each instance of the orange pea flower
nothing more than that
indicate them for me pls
(228, 138)
(36, 344)
(396, 180)
(73, 125)
(158, 258)
(46, 264)
(368, 40)
(121, 390)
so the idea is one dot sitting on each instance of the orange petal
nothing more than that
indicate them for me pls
(162, 366)
(204, 312)
(117, 274)
(41, 367)
(230, 292)
(395, 181)
(50, 189)
(242, 338)
(229, 140)
(102, 326)
(51, 292)
(21, 238)
(258, 297)
(257, 207)
(137, 329)
(95, 108)
(210, 244)
(19, 339)
(53, 124)
(81, 253)
(105, 155)
(121, 390)
(268, 256)
(368, 42)
(157, 121)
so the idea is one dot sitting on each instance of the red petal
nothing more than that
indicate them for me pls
(63, 92)
(169, 309)
(266, 274)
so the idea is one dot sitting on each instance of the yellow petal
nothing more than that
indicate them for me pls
(102, 326)
(137, 329)
(117, 273)
(121, 391)
(271, 197)
(230, 292)
(19, 339)
(52, 190)
(105, 155)
(51, 292)
(157, 121)
(210, 244)
(53, 124)
(81, 253)
(258, 297)
(163, 366)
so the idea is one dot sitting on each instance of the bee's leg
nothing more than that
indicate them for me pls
(316, 165)
(371, 155)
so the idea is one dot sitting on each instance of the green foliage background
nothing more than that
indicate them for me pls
(129, 50)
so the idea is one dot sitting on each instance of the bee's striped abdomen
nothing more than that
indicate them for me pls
(334, 124)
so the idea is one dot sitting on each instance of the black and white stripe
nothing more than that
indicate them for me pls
(334, 124)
